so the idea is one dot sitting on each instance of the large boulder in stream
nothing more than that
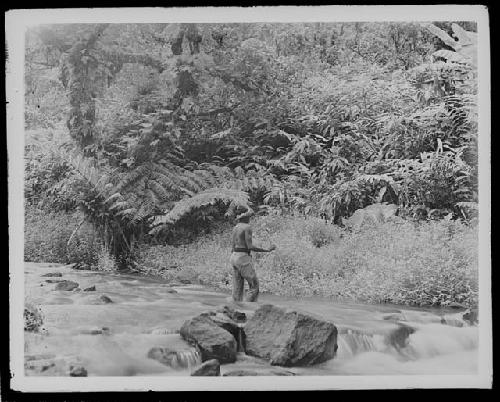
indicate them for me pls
(289, 337)
(212, 341)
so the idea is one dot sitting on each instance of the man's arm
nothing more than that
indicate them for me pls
(251, 247)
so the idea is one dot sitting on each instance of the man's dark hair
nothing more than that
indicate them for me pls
(245, 216)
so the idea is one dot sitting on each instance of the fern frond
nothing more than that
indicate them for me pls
(205, 198)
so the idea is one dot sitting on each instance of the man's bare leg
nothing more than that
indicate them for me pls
(238, 285)
(253, 291)
(249, 274)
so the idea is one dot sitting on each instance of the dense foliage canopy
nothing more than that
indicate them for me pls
(146, 127)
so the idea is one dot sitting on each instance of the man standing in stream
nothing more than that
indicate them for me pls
(241, 260)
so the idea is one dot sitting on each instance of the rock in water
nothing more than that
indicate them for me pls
(52, 275)
(211, 368)
(394, 317)
(89, 289)
(96, 300)
(105, 299)
(212, 341)
(165, 356)
(54, 280)
(471, 316)
(289, 338)
(399, 338)
(233, 314)
(40, 366)
(66, 285)
(91, 331)
(175, 358)
(77, 371)
(226, 323)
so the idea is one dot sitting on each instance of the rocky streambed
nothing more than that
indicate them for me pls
(107, 324)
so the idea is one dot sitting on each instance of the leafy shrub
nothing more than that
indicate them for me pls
(46, 236)
(431, 263)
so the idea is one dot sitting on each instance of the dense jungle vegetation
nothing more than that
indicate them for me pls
(143, 140)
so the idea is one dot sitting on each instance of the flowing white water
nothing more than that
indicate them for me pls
(114, 339)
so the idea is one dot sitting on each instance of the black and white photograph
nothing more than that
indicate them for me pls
(252, 198)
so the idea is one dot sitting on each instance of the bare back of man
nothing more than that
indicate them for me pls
(241, 261)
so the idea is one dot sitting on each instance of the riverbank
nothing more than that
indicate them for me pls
(426, 264)
(406, 263)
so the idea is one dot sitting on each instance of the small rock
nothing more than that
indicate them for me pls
(163, 355)
(105, 299)
(207, 314)
(54, 280)
(211, 368)
(52, 274)
(89, 289)
(170, 290)
(394, 317)
(97, 300)
(77, 371)
(454, 320)
(185, 281)
(400, 337)
(66, 285)
(93, 331)
(40, 365)
(471, 316)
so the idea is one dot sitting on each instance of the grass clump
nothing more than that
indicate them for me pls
(46, 236)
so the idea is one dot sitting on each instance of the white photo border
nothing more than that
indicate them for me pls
(16, 23)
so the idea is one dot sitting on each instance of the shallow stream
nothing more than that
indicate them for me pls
(113, 339)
